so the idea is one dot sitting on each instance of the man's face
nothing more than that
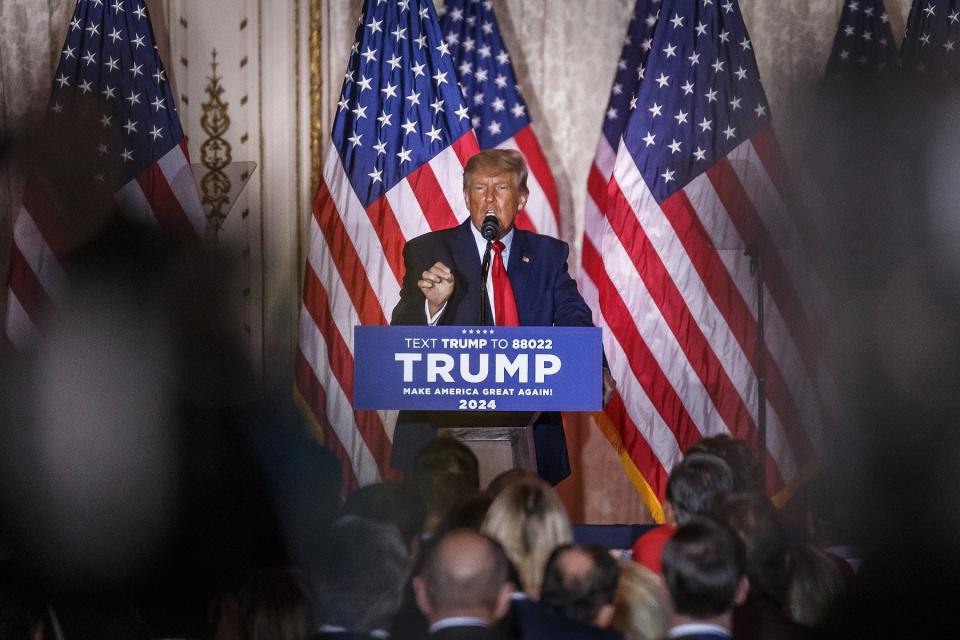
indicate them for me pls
(497, 192)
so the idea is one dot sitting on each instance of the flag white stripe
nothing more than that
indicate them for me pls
(449, 172)
(338, 409)
(402, 198)
(342, 311)
(39, 256)
(176, 170)
(133, 202)
(538, 206)
(20, 329)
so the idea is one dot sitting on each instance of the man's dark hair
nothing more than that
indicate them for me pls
(695, 482)
(444, 471)
(703, 563)
(755, 519)
(738, 456)
(449, 589)
(360, 578)
(578, 594)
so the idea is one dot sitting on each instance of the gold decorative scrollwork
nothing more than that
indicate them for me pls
(215, 154)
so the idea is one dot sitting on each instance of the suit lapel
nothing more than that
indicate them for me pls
(467, 266)
(518, 270)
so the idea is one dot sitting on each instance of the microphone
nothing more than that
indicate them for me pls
(490, 227)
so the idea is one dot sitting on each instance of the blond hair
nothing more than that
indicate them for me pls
(529, 520)
(639, 612)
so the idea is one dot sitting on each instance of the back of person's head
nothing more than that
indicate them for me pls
(273, 606)
(529, 520)
(738, 456)
(360, 578)
(467, 512)
(703, 568)
(446, 455)
(639, 612)
(463, 573)
(755, 519)
(580, 582)
(506, 478)
(815, 586)
(694, 484)
(386, 503)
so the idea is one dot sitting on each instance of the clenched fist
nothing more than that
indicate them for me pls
(436, 283)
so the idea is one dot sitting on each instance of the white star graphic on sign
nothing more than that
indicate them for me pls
(649, 138)
(414, 98)
(655, 110)
(677, 21)
(370, 55)
(462, 113)
(500, 81)
(86, 86)
(381, 147)
(138, 41)
(729, 132)
(700, 154)
(518, 110)
(140, 13)
(611, 114)
(694, 58)
(355, 139)
(434, 134)
(711, 95)
(108, 92)
(663, 80)
(706, 125)
(687, 88)
(670, 50)
(494, 128)
(136, 70)
(498, 104)
(376, 175)
(93, 29)
(674, 146)
(68, 51)
(760, 110)
(409, 127)
(681, 117)
(389, 91)
(384, 119)
(741, 73)
(418, 70)
(90, 57)
(360, 112)
(364, 83)
(404, 155)
(133, 98)
(440, 77)
(399, 34)
(701, 29)
(127, 155)
(63, 80)
(374, 26)
(115, 35)
(156, 132)
(394, 62)
(667, 176)
(503, 58)
(131, 126)
(735, 104)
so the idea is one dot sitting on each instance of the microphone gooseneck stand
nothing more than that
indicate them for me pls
(489, 229)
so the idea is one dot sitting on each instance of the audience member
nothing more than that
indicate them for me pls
(529, 520)
(639, 612)
(359, 580)
(444, 471)
(506, 478)
(703, 569)
(738, 456)
(462, 586)
(816, 587)
(693, 485)
(579, 583)
(273, 606)
(387, 503)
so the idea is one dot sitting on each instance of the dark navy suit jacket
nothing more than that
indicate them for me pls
(545, 293)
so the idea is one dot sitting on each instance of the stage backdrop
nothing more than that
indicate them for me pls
(257, 81)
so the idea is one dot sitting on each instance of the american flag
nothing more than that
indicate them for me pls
(615, 421)
(498, 112)
(136, 151)
(932, 41)
(393, 172)
(864, 42)
(698, 179)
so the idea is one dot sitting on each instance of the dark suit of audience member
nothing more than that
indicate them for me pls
(462, 586)
(530, 620)
(358, 579)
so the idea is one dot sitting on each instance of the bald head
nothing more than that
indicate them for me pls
(464, 573)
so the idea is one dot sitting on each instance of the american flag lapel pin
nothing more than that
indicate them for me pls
(525, 259)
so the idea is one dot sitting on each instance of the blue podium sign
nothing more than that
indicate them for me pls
(478, 368)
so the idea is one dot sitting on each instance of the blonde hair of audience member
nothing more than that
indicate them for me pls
(815, 586)
(639, 612)
(529, 520)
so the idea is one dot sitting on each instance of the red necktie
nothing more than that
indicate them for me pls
(503, 300)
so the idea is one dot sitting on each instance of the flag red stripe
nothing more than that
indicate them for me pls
(163, 201)
(466, 146)
(539, 167)
(597, 187)
(48, 221)
(371, 429)
(389, 233)
(524, 221)
(674, 310)
(433, 202)
(642, 362)
(26, 287)
(316, 398)
(637, 446)
(680, 213)
(744, 217)
(345, 257)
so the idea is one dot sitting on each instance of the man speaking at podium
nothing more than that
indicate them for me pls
(528, 284)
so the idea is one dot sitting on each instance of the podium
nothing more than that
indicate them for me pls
(486, 386)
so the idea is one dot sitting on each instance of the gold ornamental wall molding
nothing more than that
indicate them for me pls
(215, 153)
